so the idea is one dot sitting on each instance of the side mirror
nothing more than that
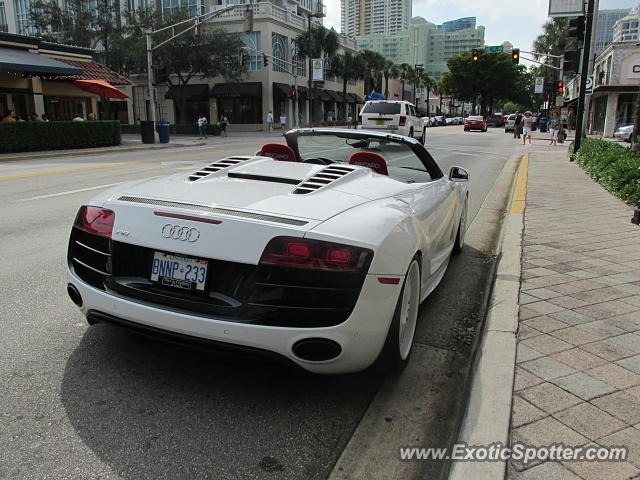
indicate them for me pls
(458, 174)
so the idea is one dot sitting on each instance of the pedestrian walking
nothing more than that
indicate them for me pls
(527, 126)
(330, 116)
(517, 128)
(283, 121)
(349, 120)
(554, 127)
(224, 121)
(270, 120)
(202, 126)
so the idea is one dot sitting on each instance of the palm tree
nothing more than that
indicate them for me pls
(373, 64)
(324, 42)
(554, 40)
(348, 67)
(424, 80)
(406, 75)
(390, 70)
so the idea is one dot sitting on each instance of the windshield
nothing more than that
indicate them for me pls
(402, 162)
(474, 118)
(382, 107)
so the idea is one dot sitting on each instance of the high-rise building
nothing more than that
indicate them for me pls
(604, 27)
(424, 43)
(459, 24)
(370, 17)
(626, 29)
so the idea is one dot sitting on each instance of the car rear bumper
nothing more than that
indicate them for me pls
(360, 337)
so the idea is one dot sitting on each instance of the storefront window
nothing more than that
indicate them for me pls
(241, 110)
(254, 45)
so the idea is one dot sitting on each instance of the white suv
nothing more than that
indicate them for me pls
(395, 116)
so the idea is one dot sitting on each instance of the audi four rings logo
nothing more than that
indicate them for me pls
(178, 232)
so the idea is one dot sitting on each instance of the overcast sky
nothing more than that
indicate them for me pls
(516, 21)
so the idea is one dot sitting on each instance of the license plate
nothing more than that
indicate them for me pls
(178, 271)
(379, 122)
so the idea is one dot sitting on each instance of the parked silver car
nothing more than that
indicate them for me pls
(624, 133)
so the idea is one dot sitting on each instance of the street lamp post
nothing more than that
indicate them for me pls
(417, 67)
(317, 14)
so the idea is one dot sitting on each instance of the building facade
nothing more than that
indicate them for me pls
(247, 101)
(615, 93)
(375, 17)
(604, 27)
(626, 29)
(424, 43)
(459, 24)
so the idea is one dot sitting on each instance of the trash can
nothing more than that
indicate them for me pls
(163, 129)
(543, 124)
(148, 135)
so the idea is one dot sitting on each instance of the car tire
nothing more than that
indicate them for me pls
(399, 342)
(424, 136)
(411, 132)
(629, 139)
(462, 229)
(466, 129)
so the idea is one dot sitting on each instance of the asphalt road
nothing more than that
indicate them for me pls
(87, 403)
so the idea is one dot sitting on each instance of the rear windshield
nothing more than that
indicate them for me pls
(512, 116)
(382, 107)
(474, 118)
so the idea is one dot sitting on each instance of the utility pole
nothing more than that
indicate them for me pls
(318, 14)
(584, 71)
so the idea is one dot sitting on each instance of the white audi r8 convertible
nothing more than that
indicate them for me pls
(318, 251)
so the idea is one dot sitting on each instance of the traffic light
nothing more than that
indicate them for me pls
(560, 87)
(243, 58)
(475, 54)
(576, 28)
(515, 56)
(571, 59)
(293, 94)
(265, 60)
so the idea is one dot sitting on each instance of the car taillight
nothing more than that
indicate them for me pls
(403, 120)
(95, 220)
(308, 253)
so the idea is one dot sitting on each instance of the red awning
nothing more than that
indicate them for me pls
(100, 87)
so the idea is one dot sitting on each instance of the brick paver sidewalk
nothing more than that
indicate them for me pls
(578, 355)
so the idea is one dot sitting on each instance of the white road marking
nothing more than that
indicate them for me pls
(68, 192)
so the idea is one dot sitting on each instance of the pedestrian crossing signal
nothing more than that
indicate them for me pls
(515, 56)
(265, 60)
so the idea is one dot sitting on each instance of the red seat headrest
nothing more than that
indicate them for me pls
(369, 159)
(278, 151)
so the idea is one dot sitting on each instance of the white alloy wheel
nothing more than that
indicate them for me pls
(409, 310)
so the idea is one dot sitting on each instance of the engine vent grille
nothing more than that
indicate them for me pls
(322, 178)
(216, 167)
(220, 211)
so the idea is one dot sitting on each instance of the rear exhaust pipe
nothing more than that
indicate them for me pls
(74, 294)
(316, 349)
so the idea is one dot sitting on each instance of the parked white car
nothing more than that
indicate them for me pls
(318, 251)
(624, 133)
(393, 116)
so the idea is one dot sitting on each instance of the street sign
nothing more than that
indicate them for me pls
(589, 88)
(493, 49)
(559, 100)
(539, 85)
(566, 8)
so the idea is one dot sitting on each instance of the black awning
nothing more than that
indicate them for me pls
(616, 88)
(335, 96)
(16, 60)
(282, 88)
(188, 92)
(321, 95)
(353, 98)
(237, 90)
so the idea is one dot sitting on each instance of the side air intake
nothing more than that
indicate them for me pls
(216, 167)
(323, 178)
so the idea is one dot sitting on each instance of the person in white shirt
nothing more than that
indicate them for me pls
(283, 121)
(202, 126)
(270, 120)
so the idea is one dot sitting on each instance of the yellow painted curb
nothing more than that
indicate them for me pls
(519, 201)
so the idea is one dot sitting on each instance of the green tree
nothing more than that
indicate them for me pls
(493, 79)
(390, 70)
(324, 42)
(349, 67)
(554, 40)
(373, 65)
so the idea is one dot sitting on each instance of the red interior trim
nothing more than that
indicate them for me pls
(187, 217)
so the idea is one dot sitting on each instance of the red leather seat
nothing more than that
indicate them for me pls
(278, 151)
(369, 159)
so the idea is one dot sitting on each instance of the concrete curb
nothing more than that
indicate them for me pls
(95, 151)
(488, 414)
